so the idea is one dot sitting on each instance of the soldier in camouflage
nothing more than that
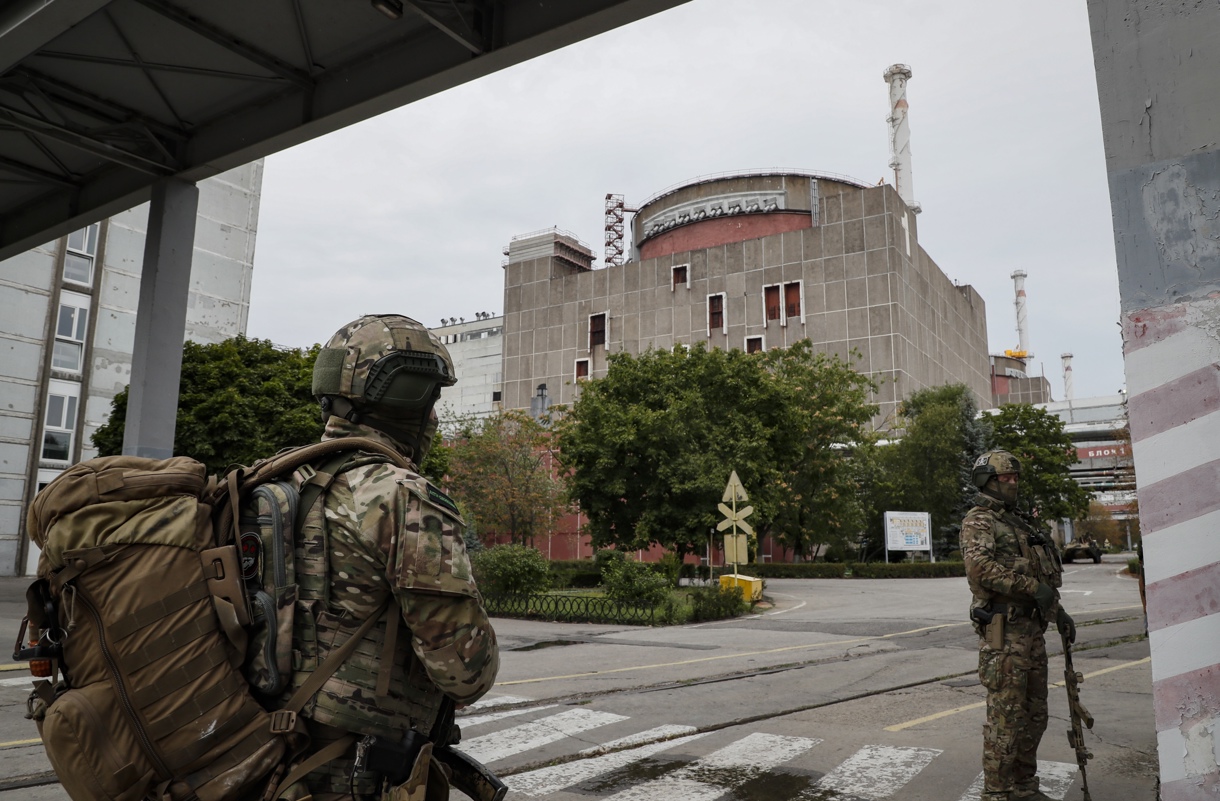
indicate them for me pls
(382, 533)
(1014, 575)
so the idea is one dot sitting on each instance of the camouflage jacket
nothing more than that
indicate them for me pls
(1005, 559)
(389, 531)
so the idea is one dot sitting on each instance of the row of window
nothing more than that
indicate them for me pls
(754, 344)
(781, 303)
(68, 347)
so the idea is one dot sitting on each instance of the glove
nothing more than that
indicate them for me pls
(1067, 626)
(1044, 597)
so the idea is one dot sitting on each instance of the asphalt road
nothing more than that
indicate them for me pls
(843, 689)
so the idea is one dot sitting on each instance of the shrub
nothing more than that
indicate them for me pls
(908, 570)
(604, 557)
(716, 603)
(507, 569)
(670, 567)
(1133, 566)
(631, 582)
(574, 574)
(797, 570)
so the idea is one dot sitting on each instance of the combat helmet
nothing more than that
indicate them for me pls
(993, 463)
(385, 371)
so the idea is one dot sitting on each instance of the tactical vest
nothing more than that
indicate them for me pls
(362, 696)
(1014, 550)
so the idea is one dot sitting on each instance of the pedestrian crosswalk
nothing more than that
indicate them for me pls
(664, 762)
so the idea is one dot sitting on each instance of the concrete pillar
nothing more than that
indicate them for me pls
(1156, 68)
(165, 281)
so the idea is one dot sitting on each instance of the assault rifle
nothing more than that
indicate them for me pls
(1081, 719)
(394, 760)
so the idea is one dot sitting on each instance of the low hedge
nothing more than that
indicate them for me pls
(908, 569)
(855, 570)
(795, 570)
(574, 574)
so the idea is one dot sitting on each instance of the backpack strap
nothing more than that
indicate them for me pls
(284, 720)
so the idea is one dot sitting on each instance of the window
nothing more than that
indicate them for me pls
(715, 313)
(754, 345)
(70, 332)
(60, 422)
(582, 369)
(597, 330)
(681, 276)
(792, 299)
(495, 396)
(78, 260)
(771, 305)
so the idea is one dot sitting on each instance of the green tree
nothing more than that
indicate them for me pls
(650, 446)
(1037, 438)
(502, 467)
(238, 401)
(827, 414)
(928, 469)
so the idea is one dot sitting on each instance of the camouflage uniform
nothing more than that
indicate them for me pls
(386, 531)
(1004, 566)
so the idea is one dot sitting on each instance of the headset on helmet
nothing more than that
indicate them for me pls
(993, 463)
(385, 371)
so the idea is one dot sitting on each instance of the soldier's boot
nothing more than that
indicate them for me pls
(1035, 795)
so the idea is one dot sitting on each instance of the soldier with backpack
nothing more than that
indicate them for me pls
(302, 629)
(381, 540)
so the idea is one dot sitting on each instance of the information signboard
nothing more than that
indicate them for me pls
(908, 531)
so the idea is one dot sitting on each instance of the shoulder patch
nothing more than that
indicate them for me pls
(441, 499)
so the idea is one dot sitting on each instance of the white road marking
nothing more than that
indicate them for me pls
(719, 772)
(27, 681)
(668, 730)
(1079, 592)
(548, 780)
(789, 609)
(528, 736)
(1055, 777)
(497, 700)
(875, 771)
(475, 720)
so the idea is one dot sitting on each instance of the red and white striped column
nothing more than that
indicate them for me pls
(1173, 379)
(1163, 166)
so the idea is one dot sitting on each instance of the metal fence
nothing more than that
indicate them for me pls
(569, 608)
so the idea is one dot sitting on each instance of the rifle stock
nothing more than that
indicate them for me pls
(1080, 717)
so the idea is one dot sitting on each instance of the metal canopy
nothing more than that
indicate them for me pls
(100, 98)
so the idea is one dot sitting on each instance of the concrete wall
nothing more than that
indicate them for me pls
(1157, 63)
(867, 286)
(477, 350)
(27, 284)
(30, 290)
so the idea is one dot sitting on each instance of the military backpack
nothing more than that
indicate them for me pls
(161, 625)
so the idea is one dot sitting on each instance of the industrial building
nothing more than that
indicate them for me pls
(752, 261)
(477, 349)
(68, 334)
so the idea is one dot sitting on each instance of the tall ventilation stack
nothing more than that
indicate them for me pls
(1018, 284)
(900, 134)
(1067, 377)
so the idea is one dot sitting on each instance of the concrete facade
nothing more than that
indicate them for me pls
(1011, 384)
(843, 267)
(68, 333)
(477, 350)
(1156, 64)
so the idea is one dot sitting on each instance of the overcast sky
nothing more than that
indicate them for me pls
(409, 212)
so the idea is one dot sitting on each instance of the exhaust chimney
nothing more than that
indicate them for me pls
(900, 134)
(1067, 376)
(1018, 284)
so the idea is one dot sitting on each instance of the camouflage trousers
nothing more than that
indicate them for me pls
(1015, 678)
